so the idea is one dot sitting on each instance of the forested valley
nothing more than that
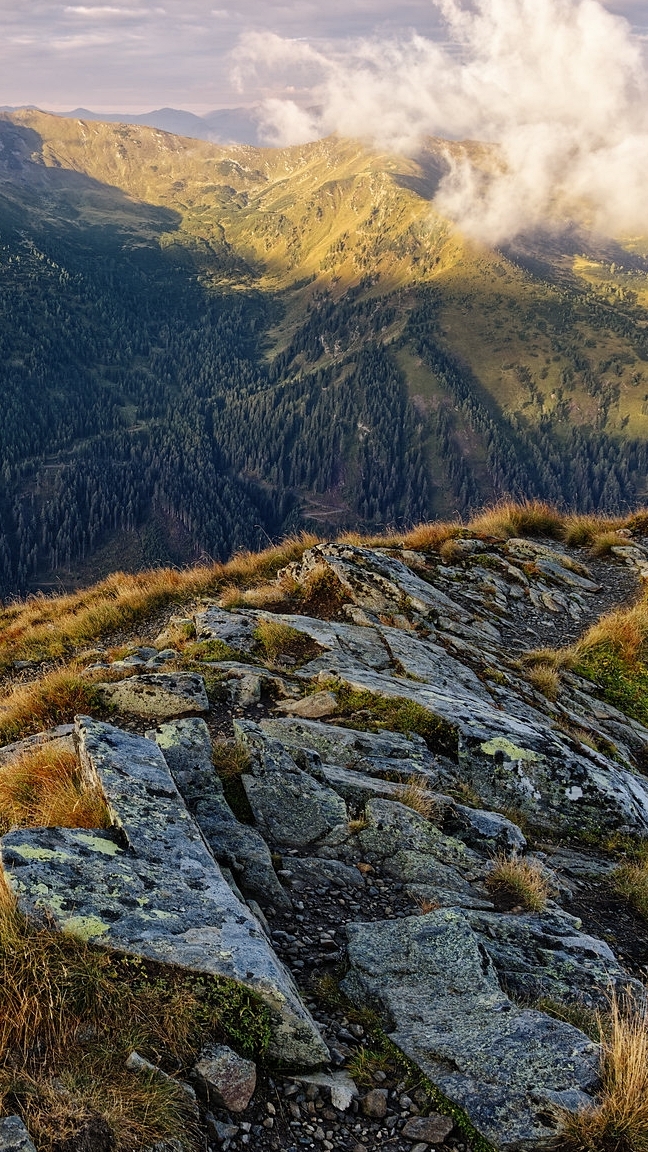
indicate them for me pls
(145, 400)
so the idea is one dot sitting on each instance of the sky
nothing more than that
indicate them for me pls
(135, 55)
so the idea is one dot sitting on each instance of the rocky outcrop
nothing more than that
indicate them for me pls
(509, 1068)
(328, 866)
(510, 750)
(150, 887)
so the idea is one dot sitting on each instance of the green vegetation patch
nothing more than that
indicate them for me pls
(70, 1014)
(622, 682)
(372, 713)
(215, 650)
(278, 641)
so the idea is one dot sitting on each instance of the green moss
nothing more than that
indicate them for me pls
(623, 684)
(372, 713)
(278, 640)
(214, 650)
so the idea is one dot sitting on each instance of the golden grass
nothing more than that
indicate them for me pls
(619, 1120)
(43, 628)
(545, 679)
(54, 699)
(520, 878)
(415, 794)
(451, 551)
(41, 788)
(529, 518)
(70, 1015)
(280, 640)
(603, 544)
(580, 531)
(230, 759)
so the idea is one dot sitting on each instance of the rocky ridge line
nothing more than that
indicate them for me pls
(330, 842)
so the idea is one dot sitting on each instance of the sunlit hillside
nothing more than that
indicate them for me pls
(204, 347)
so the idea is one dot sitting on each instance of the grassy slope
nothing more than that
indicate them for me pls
(335, 211)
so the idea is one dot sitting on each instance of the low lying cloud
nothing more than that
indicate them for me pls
(559, 86)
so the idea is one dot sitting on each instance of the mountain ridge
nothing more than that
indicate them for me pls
(403, 370)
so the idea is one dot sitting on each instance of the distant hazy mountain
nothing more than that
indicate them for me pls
(224, 126)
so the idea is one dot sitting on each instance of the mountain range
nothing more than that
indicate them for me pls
(207, 346)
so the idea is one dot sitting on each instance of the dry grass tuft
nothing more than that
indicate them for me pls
(279, 640)
(631, 881)
(522, 879)
(545, 679)
(619, 1121)
(53, 699)
(415, 794)
(508, 519)
(451, 551)
(42, 788)
(582, 531)
(431, 537)
(69, 1016)
(230, 759)
(425, 906)
(603, 544)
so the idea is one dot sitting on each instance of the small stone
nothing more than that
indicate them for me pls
(431, 1129)
(270, 1109)
(313, 707)
(374, 1104)
(14, 1137)
(226, 1078)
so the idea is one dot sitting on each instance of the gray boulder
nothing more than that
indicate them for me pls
(14, 1137)
(507, 1067)
(186, 746)
(161, 695)
(290, 807)
(548, 954)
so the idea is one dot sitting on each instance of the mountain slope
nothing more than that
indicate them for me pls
(202, 346)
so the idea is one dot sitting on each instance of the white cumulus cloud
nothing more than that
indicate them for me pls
(559, 86)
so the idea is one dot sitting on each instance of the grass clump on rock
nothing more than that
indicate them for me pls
(41, 788)
(70, 1015)
(523, 880)
(278, 641)
(415, 794)
(619, 1121)
(373, 713)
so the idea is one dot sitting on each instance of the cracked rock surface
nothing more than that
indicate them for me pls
(309, 868)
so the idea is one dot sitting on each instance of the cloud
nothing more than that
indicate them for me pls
(560, 86)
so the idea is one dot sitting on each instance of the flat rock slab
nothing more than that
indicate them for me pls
(186, 747)
(548, 954)
(150, 887)
(162, 695)
(507, 1067)
(14, 1137)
